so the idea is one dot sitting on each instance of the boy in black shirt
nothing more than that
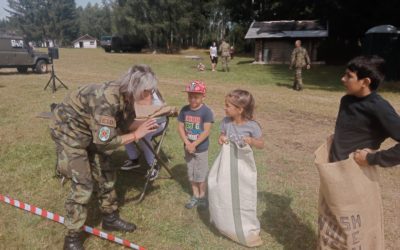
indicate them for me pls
(365, 119)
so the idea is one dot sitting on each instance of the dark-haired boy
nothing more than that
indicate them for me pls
(350, 214)
(365, 119)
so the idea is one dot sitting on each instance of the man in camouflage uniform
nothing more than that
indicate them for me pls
(86, 128)
(225, 48)
(299, 60)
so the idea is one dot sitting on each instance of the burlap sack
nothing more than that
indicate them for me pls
(232, 195)
(350, 205)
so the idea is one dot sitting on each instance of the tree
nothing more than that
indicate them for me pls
(62, 20)
(168, 24)
(45, 19)
(28, 16)
(95, 20)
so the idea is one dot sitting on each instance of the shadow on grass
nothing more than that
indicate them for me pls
(179, 173)
(204, 215)
(284, 225)
(245, 62)
(287, 85)
(127, 180)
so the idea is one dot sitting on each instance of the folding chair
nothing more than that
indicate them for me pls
(157, 141)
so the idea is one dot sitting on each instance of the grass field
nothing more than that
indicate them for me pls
(294, 125)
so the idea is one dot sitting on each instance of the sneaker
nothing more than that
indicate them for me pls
(130, 164)
(153, 173)
(202, 203)
(192, 203)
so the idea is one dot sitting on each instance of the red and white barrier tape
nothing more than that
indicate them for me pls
(60, 219)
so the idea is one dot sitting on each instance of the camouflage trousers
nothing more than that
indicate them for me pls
(298, 81)
(225, 63)
(85, 168)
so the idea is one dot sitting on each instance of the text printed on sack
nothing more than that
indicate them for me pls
(339, 232)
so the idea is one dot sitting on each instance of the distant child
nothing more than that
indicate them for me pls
(365, 119)
(194, 127)
(201, 67)
(238, 125)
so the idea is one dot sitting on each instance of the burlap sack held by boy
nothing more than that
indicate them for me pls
(350, 205)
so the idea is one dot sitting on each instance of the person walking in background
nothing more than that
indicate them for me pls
(225, 49)
(195, 120)
(214, 56)
(299, 60)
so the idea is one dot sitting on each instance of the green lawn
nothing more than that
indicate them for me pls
(294, 125)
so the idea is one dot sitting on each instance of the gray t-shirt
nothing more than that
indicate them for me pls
(236, 133)
(194, 124)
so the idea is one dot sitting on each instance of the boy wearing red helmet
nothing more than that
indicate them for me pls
(195, 120)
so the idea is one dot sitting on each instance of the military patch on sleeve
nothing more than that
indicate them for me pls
(107, 121)
(104, 133)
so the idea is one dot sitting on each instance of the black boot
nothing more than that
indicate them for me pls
(112, 222)
(73, 242)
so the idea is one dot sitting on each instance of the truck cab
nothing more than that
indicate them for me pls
(105, 43)
(15, 53)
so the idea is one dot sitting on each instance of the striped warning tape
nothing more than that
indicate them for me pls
(60, 219)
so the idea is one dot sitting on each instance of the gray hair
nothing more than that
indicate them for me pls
(138, 79)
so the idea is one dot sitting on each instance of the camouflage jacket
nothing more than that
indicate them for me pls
(225, 48)
(94, 113)
(299, 58)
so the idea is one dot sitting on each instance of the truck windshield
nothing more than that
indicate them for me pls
(106, 38)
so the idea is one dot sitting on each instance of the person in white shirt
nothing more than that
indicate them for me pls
(214, 55)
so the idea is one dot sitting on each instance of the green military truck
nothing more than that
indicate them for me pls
(14, 53)
(122, 43)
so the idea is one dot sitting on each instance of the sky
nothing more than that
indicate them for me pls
(4, 4)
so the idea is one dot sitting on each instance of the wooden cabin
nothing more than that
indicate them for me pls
(274, 40)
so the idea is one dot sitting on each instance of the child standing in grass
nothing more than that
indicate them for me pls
(232, 182)
(238, 125)
(350, 205)
(195, 120)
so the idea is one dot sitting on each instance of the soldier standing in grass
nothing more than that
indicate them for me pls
(225, 50)
(87, 127)
(299, 60)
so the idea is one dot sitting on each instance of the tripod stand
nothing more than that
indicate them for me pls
(53, 79)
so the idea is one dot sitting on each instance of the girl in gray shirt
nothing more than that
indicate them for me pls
(238, 125)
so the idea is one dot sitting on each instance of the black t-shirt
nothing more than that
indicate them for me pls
(365, 123)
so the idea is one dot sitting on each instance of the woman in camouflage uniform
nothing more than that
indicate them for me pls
(87, 127)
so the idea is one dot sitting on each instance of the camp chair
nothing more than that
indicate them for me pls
(157, 141)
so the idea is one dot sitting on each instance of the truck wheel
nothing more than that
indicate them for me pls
(107, 50)
(22, 69)
(41, 67)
